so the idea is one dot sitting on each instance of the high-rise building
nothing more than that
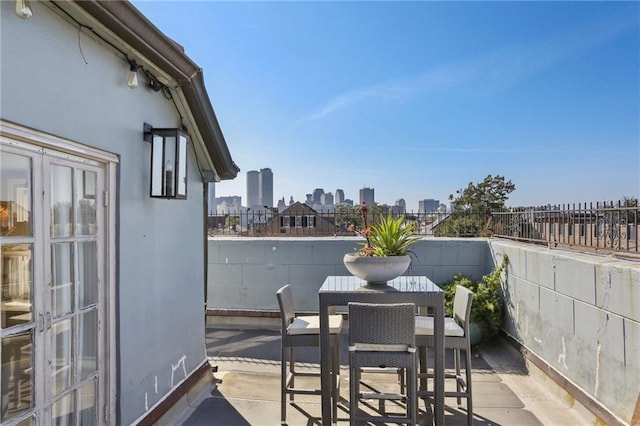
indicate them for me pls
(229, 205)
(265, 185)
(259, 188)
(339, 198)
(253, 188)
(400, 207)
(317, 195)
(327, 199)
(428, 205)
(367, 196)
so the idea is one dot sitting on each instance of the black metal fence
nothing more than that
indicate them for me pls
(272, 223)
(607, 226)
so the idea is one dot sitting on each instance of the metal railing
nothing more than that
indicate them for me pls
(607, 226)
(313, 224)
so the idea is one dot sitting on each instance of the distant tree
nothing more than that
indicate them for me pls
(471, 215)
(484, 197)
(230, 222)
(632, 208)
(345, 215)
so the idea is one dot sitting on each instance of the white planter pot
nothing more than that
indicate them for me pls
(376, 270)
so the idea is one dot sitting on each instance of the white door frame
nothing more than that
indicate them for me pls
(22, 137)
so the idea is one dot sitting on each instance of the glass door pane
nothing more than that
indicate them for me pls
(17, 375)
(17, 282)
(86, 182)
(15, 195)
(61, 279)
(61, 201)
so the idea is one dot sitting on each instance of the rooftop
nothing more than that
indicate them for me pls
(245, 386)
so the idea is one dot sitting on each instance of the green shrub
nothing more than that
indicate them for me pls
(487, 307)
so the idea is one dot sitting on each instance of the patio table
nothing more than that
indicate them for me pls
(340, 290)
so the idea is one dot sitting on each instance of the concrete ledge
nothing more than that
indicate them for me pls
(176, 402)
(574, 394)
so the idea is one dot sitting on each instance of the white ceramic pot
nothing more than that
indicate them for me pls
(376, 270)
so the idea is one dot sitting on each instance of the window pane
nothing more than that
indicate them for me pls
(17, 278)
(86, 202)
(62, 278)
(17, 375)
(156, 166)
(60, 363)
(87, 274)
(169, 161)
(15, 195)
(61, 199)
(88, 343)
(87, 401)
(182, 173)
(62, 411)
(29, 421)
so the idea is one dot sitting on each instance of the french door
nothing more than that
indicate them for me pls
(52, 317)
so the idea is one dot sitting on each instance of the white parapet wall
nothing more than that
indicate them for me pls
(580, 313)
(245, 273)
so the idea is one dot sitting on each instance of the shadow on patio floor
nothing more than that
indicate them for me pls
(247, 391)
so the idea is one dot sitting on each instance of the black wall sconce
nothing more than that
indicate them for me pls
(168, 162)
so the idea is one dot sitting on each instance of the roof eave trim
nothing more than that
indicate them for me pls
(125, 21)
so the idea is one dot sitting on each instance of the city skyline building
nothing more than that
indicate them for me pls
(327, 199)
(400, 206)
(265, 187)
(339, 197)
(253, 188)
(428, 205)
(367, 195)
(317, 196)
(229, 204)
(260, 188)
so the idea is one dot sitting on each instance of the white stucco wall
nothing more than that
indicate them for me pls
(72, 86)
(245, 273)
(581, 314)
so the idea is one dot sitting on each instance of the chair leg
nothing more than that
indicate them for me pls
(292, 370)
(354, 380)
(468, 376)
(335, 373)
(456, 353)
(412, 397)
(423, 368)
(283, 385)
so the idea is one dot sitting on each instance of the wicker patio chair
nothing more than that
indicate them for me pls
(456, 330)
(304, 331)
(382, 335)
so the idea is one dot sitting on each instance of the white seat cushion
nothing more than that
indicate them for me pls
(376, 347)
(310, 324)
(424, 327)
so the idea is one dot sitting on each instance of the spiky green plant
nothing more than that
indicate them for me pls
(392, 237)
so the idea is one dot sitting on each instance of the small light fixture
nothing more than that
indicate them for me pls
(132, 81)
(23, 10)
(168, 162)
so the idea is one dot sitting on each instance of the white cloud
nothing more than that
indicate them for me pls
(490, 73)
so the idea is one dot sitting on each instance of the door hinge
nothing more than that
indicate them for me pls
(105, 413)
(105, 198)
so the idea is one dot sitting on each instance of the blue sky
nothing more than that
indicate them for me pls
(417, 99)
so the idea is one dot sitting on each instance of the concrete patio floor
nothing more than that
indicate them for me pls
(247, 387)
